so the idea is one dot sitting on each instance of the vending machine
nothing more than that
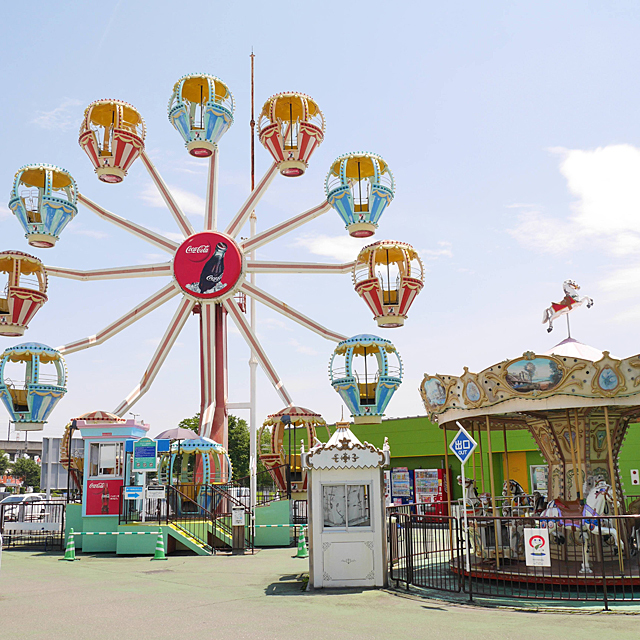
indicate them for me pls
(401, 486)
(431, 491)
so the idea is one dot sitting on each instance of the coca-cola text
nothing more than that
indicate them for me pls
(203, 248)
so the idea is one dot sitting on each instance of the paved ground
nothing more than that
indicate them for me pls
(104, 597)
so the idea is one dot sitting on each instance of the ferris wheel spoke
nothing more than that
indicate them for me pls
(211, 208)
(168, 340)
(289, 312)
(284, 227)
(265, 266)
(207, 368)
(250, 338)
(183, 222)
(252, 202)
(146, 234)
(139, 311)
(115, 273)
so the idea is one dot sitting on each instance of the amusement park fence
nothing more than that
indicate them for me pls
(593, 559)
(34, 525)
(207, 518)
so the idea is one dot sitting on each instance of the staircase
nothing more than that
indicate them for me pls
(208, 527)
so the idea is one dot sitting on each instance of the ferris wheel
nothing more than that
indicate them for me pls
(212, 271)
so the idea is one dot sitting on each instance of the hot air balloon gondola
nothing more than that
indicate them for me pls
(44, 199)
(290, 127)
(361, 372)
(201, 109)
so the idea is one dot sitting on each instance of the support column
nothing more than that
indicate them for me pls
(220, 426)
(207, 368)
(494, 508)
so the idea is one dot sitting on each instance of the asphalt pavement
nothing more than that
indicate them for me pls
(105, 597)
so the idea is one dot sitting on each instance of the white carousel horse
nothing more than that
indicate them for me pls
(571, 300)
(479, 502)
(517, 502)
(599, 502)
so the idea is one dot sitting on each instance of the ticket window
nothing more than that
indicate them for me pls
(346, 506)
(106, 459)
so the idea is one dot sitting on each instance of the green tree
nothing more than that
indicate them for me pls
(191, 423)
(4, 462)
(239, 443)
(28, 471)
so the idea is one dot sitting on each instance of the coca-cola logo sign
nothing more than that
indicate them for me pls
(208, 265)
(198, 253)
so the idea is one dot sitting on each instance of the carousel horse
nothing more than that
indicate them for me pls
(470, 496)
(571, 300)
(517, 501)
(634, 535)
(571, 514)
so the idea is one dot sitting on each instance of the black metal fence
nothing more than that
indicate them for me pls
(142, 510)
(595, 559)
(33, 524)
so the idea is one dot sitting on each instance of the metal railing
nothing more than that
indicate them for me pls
(268, 489)
(587, 559)
(142, 510)
(33, 524)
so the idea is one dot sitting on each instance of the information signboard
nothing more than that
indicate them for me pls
(145, 455)
(536, 547)
(156, 491)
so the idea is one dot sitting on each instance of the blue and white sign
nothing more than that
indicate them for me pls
(133, 493)
(463, 445)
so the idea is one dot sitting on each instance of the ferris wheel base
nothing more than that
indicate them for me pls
(367, 419)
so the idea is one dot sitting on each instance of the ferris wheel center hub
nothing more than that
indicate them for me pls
(209, 266)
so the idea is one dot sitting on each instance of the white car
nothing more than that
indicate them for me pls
(21, 507)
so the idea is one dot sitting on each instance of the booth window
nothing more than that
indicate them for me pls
(345, 506)
(105, 459)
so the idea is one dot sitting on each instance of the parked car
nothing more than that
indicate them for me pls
(21, 507)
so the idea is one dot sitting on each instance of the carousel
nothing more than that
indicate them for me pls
(577, 402)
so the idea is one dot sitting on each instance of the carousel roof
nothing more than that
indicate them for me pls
(574, 349)
(571, 375)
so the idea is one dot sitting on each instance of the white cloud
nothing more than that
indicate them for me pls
(607, 190)
(91, 233)
(190, 203)
(303, 348)
(64, 117)
(5, 212)
(444, 251)
(343, 248)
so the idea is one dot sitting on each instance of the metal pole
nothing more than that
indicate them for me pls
(573, 458)
(614, 487)
(581, 476)
(253, 361)
(496, 524)
(465, 535)
(481, 459)
(473, 435)
(506, 458)
(446, 473)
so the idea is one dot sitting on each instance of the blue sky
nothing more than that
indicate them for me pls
(511, 130)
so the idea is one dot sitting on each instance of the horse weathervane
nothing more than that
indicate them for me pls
(570, 301)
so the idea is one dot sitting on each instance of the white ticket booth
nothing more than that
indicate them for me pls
(347, 529)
